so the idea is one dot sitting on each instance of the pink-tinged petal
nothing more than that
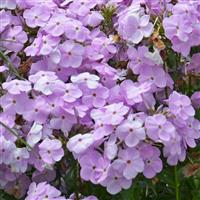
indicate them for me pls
(87, 100)
(110, 150)
(58, 154)
(46, 157)
(56, 31)
(131, 27)
(76, 92)
(138, 165)
(85, 173)
(55, 56)
(157, 165)
(129, 172)
(126, 183)
(147, 31)
(137, 37)
(75, 61)
(45, 50)
(69, 98)
(92, 84)
(182, 36)
(190, 111)
(98, 102)
(144, 20)
(149, 172)
(191, 142)
(164, 135)
(78, 49)
(131, 140)
(114, 188)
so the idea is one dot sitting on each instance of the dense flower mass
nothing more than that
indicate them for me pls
(43, 191)
(90, 83)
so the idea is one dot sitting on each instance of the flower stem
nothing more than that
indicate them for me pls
(77, 182)
(10, 66)
(177, 184)
(166, 89)
(12, 131)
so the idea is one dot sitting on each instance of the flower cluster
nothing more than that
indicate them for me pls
(43, 191)
(70, 84)
(182, 27)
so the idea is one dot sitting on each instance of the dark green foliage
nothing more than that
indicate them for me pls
(5, 196)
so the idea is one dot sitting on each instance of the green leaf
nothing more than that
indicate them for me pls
(5, 196)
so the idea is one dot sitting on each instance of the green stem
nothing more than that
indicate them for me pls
(4, 40)
(155, 21)
(189, 92)
(177, 184)
(166, 89)
(77, 182)
(10, 66)
(12, 131)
